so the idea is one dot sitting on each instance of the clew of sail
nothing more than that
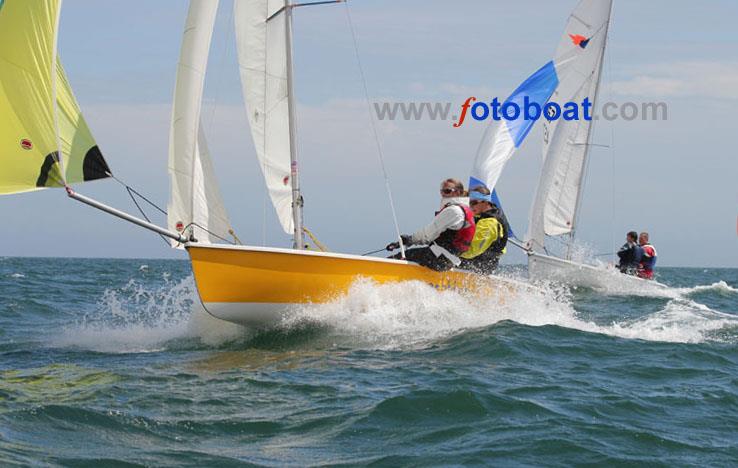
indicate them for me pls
(195, 205)
(41, 117)
(263, 59)
(566, 142)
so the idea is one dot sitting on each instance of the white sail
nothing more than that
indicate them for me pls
(195, 203)
(566, 143)
(263, 58)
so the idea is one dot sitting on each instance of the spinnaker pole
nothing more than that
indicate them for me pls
(125, 216)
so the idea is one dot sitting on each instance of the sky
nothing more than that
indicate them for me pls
(675, 178)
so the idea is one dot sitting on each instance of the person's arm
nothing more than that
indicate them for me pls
(623, 252)
(451, 217)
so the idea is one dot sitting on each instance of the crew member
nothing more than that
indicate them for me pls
(490, 237)
(630, 254)
(439, 244)
(648, 262)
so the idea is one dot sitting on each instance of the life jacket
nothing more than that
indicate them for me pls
(458, 241)
(630, 255)
(648, 261)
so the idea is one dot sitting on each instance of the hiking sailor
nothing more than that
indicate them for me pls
(447, 236)
(490, 237)
(648, 261)
(630, 254)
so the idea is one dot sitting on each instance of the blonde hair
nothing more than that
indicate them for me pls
(458, 185)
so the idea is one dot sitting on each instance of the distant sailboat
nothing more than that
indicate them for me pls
(572, 76)
(47, 144)
(566, 147)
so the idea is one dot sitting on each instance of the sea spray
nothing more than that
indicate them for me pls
(413, 315)
(140, 318)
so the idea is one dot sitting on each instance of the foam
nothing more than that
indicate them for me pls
(412, 314)
(138, 318)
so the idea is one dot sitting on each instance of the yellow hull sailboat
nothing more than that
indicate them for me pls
(46, 143)
(259, 285)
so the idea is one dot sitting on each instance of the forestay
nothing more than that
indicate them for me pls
(40, 115)
(567, 143)
(195, 205)
(263, 58)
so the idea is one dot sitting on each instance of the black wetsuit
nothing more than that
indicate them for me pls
(630, 255)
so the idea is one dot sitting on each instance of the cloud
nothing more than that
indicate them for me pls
(700, 79)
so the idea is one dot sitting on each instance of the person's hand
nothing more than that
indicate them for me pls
(392, 246)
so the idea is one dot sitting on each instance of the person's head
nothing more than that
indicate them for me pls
(452, 188)
(632, 236)
(643, 238)
(480, 200)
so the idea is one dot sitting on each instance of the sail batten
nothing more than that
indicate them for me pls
(44, 140)
(566, 143)
(195, 206)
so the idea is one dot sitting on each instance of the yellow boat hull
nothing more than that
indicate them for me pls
(256, 286)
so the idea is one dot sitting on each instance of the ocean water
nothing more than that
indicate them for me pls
(113, 363)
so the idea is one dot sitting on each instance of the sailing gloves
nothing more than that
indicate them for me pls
(406, 240)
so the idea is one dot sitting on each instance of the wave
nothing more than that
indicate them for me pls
(720, 287)
(412, 314)
(680, 321)
(138, 318)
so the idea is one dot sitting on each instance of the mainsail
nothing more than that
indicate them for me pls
(262, 35)
(567, 143)
(195, 205)
(40, 114)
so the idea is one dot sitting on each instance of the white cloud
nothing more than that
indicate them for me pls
(701, 79)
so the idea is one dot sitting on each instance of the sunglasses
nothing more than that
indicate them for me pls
(446, 191)
(475, 202)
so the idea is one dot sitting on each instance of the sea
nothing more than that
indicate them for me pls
(115, 363)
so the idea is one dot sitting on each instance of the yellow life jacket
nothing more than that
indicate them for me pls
(489, 232)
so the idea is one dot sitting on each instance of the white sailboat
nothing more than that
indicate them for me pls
(566, 147)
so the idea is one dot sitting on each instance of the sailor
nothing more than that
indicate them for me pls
(439, 244)
(490, 237)
(648, 261)
(630, 254)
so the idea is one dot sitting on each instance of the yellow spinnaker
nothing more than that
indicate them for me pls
(29, 79)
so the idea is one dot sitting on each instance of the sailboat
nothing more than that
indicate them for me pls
(566, 147)
(46, 143)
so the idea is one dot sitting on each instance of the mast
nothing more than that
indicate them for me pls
(297, 201)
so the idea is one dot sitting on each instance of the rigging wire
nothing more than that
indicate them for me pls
(133, 193)
(225, 53)
(211, 233)
(608, 72)
(373, 125)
